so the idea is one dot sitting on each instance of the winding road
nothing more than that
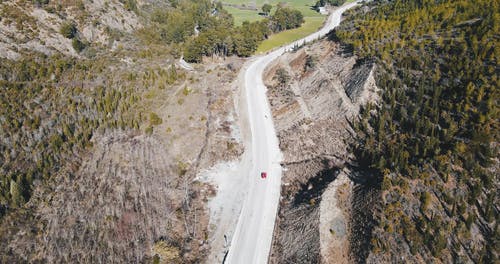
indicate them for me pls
(251, 241)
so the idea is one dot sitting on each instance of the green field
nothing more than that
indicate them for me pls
(313, 20)
(285, 37)
(241, 15)
(303, 5)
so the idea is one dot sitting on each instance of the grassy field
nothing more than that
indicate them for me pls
(303, 5)
(285, 37)
(241, 15)
(313, 20)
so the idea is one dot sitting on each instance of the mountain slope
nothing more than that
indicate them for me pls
(37, 25)
(432, 142)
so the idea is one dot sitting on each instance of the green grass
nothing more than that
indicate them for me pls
(313, 20)
(241, 15)
(310, 26)
(303, 5)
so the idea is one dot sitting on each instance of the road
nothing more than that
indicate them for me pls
(251, 241)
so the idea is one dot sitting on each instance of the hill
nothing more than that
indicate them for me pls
(431, 143)
(102, 130)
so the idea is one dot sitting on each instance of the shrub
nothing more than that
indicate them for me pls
(154, 119)
(78, 45)
(68, 30)
(266, 8)
(310, 63)
(186, 91)
(40, 3)
(282, 77)
(425, 199)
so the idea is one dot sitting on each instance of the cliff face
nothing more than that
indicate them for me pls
(313, 93)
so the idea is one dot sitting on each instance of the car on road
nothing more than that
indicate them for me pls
(263, 175)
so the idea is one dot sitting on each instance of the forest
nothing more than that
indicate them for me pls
(46, 123)
(431, 142)
(320, 3)
(206, 29)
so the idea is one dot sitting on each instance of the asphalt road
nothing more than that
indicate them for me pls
(251, 241)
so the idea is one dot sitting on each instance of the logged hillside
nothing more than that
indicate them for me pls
(102, 130)
(313, 92)
(431, 143)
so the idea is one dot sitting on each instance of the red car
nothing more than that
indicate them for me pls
(263, 175)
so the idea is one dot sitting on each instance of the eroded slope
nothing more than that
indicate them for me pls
(313, 94)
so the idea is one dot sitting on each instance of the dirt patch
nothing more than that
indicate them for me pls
(334, 216)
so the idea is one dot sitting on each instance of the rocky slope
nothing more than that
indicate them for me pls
(313, 93)
(36, 26)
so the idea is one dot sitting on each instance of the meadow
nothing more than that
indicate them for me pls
(241, 15)
(313, 19)
(311, 25)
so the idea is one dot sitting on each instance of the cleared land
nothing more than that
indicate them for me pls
(303, 5)
(312, 24)
(313, 19)
(241, 15)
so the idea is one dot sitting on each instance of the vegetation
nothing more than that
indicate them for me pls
(266, 9)
(78, 45)
(154, 119)
(286, 18)
(68, 30)
(321, 3)
(313, 20)
(304, 6)
(216, 34)
(282, 77)
(130, 5)
(310, 63)
(54, 108)
(311, 24)
(242, 15)
(433, 137)
(40, 3)
(45, 122)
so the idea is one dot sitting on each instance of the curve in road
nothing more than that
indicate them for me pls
(251, 241)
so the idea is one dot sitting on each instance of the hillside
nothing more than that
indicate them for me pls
(64, 27)
(431, 144)
(389, 131)
(313, 92)
(103, 131)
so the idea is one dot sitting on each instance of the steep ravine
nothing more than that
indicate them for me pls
(312, 108)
